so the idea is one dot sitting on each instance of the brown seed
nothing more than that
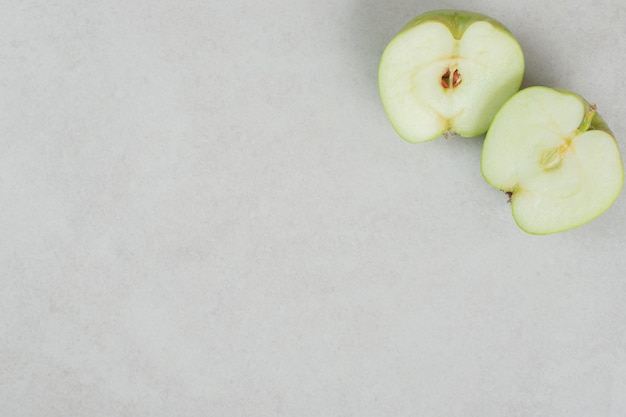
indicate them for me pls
(445, 80)
(456, 78)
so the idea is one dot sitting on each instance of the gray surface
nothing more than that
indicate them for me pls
(204, 211)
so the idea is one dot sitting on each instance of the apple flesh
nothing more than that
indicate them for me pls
(555, 157)
(448, 71)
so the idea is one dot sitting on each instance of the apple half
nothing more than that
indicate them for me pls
(556, 158)
(448, 71)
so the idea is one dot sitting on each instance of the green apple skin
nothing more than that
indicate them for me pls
(492, 88)
(612, 164)
(457, 21)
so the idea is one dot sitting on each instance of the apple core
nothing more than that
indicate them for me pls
(451, 80)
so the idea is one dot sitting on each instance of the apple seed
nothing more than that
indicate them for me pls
(456, 78)
(445, 79)
(455, 81)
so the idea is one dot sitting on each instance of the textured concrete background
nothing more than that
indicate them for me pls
(204, 212)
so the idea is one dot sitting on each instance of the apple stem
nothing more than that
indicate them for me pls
(591, 112)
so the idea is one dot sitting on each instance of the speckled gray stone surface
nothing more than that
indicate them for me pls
(204, 212)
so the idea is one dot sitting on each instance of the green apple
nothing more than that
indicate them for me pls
(555, 157)
(448, 71)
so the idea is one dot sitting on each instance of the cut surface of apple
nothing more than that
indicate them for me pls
(448, 71)
(555, 156)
